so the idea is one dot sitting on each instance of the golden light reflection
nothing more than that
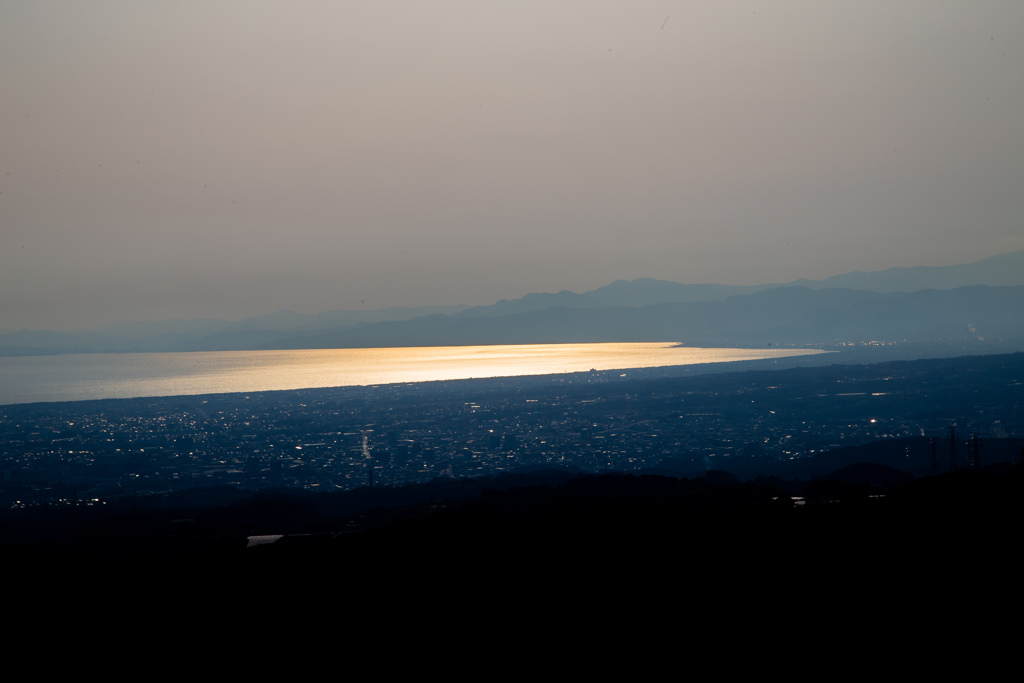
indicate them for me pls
(79, 377)
(361, 367)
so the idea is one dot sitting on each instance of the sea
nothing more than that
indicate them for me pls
(78, 377)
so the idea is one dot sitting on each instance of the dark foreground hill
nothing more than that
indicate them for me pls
(576, 530)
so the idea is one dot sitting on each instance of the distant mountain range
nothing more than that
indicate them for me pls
(976, 301)
(1004, 270)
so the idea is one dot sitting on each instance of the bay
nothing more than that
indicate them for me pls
(77, 377)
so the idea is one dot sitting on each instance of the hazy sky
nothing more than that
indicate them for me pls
(227, 159)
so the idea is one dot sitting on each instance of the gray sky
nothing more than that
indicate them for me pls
(227, 159)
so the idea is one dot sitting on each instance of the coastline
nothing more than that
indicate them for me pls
(48, 379)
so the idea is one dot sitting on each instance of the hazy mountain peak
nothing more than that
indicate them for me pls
(1002, 270)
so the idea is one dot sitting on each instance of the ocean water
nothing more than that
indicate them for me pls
(76, 377)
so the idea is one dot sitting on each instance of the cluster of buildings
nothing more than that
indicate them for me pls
(92, 452)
